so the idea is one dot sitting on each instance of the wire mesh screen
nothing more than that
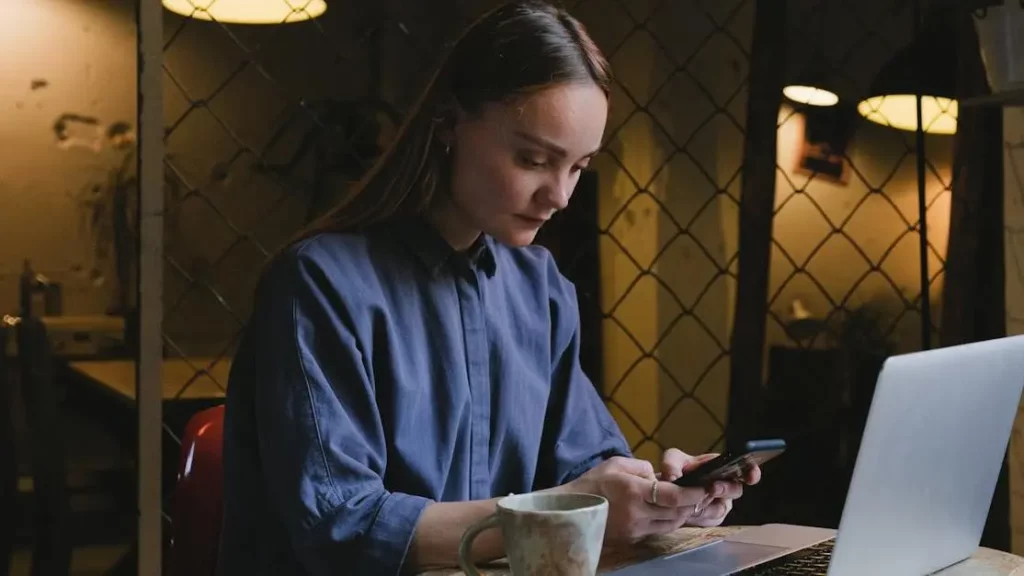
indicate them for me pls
(667, 213)
(845, 254)
(268, 125)
(847, 281)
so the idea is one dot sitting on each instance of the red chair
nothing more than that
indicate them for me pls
(198, 496)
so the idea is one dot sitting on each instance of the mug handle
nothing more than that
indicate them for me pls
(466, 544)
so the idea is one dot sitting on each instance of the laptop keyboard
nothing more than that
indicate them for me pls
(811, 561)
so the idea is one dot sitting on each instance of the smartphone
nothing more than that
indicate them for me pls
(733, 464)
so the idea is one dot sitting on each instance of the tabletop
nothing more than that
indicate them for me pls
(181, 378)
(984, 562)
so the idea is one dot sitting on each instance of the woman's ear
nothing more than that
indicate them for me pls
(446, 133)
(447, 119)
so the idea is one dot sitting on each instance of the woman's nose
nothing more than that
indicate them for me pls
(559, 192)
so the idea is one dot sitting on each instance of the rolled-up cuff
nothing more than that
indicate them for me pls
(392, 531)
(584, 467)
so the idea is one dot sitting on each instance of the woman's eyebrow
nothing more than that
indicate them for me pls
(547, 144)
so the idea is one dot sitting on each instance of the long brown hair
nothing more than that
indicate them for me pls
(518, 48)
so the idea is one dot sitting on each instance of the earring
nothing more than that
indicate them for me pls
(447, 149)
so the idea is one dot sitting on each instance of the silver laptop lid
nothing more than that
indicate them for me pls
(933, 445)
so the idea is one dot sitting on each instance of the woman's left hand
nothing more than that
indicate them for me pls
(718, 502)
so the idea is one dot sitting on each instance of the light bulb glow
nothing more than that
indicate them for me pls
(938, 114)
(810, 95)
(248, 11)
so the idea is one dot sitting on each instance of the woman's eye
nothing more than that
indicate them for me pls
(531, 161)
(580, 167)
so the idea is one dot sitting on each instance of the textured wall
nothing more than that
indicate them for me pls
(68, 75)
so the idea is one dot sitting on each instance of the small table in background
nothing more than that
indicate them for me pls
(188, 384)
(985, 562)
(182, 379)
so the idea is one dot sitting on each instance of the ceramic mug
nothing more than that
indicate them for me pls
(545, 533)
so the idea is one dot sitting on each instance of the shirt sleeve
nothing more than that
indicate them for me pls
(320, 436)
(579, 432)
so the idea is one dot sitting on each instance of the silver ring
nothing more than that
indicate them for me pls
(654, 492)
(698, 509)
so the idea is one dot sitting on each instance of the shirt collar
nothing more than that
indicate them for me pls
(433, 251)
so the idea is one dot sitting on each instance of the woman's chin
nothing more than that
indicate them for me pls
(515, 238)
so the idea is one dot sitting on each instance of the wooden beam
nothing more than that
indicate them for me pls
(757, 205)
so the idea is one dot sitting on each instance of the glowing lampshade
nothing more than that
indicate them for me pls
(248, 11)
(938, 114)
(810, 95)
(927, 65)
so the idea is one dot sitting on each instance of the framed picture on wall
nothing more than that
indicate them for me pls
(822, 149)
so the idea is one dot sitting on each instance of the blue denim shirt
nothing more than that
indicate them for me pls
(383, 371)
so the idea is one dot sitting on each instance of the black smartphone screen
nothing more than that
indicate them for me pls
(733, 465)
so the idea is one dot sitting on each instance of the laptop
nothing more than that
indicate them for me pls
(934, 442)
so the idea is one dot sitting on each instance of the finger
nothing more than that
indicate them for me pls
(658, 511)
(641, 468)
(726, 490)
(651, 495)
(675, 517)
(753, 475)
(667, 526)
(696, 461)
(672, 496)
(673, 461)
(656, 514)
(711, 515)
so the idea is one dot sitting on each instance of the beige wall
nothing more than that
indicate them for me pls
(1013, 132)
(840, 218)
(669, 192)
(61, 57)
(834, 276)
(680, 316)
(55, 199)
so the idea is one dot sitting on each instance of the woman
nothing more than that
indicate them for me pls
(411, 357)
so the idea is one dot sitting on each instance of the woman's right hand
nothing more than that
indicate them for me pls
(633, 513)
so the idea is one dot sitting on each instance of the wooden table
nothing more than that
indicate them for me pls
(188, 384)
(181, 379)
(985, 562)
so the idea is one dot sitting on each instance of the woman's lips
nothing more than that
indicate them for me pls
(531, 220)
